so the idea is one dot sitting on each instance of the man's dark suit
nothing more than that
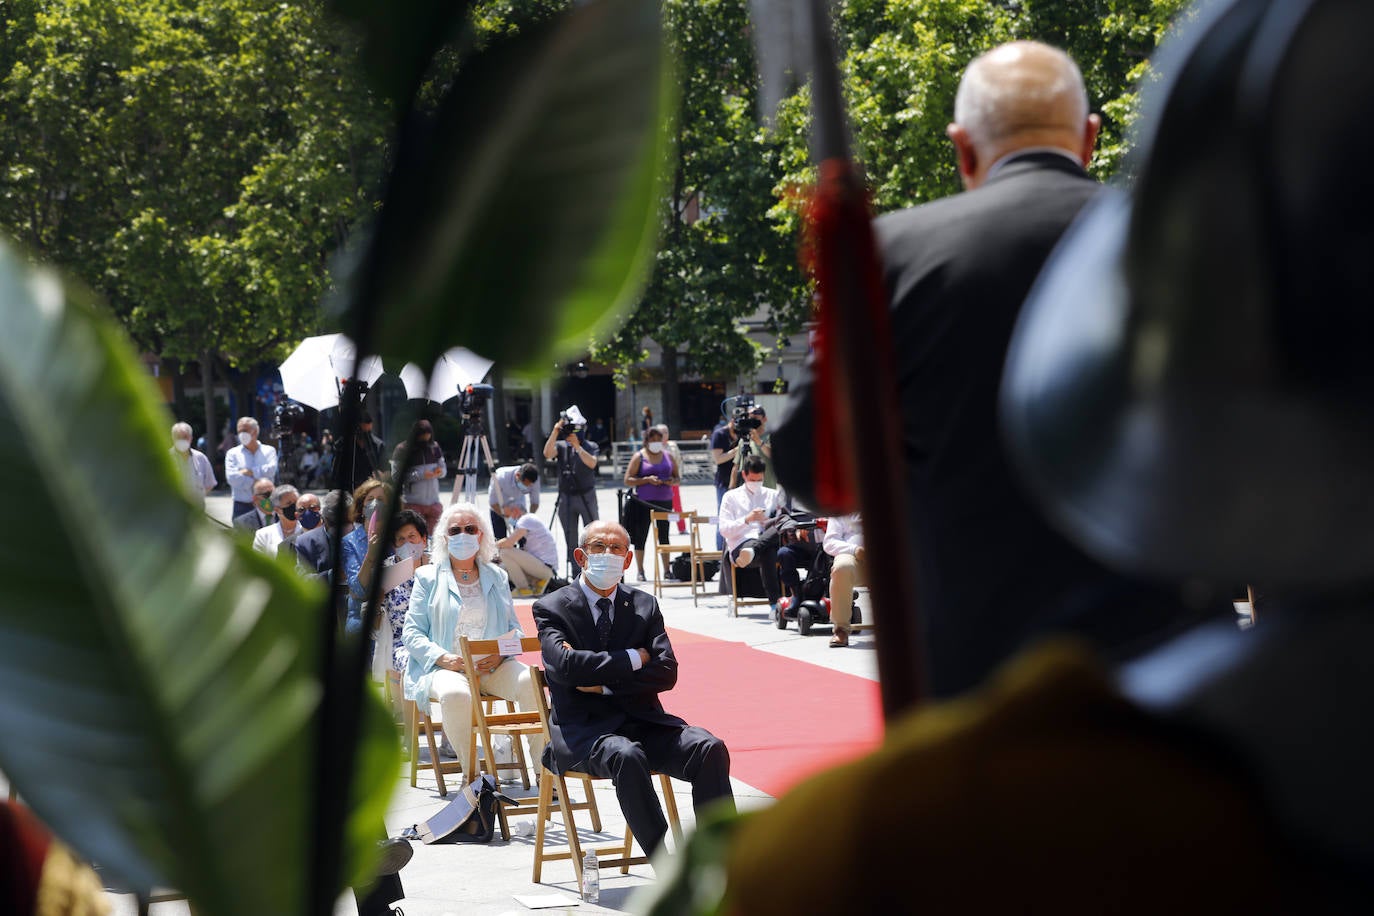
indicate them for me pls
(250, 520)
(990, 574)
(624, 734)
(313, 550)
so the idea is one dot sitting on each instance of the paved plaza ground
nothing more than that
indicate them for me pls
(473, 879)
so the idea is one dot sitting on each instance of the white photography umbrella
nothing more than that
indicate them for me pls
(454, 371)
(315, 370)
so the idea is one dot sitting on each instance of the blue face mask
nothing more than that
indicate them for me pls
(409, 550)
(309, 519)
(604, 570)
(462, 546)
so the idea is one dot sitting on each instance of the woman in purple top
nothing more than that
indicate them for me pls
(652, 475)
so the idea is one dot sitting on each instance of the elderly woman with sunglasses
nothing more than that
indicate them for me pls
(462, 593)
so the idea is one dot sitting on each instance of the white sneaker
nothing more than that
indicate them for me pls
(744, 557)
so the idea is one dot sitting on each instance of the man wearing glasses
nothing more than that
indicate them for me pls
(607, 658)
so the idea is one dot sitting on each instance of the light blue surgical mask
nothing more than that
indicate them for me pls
(604, 570)
(410, 550)
(462, 546)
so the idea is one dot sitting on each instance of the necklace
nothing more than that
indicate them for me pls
(467, 574)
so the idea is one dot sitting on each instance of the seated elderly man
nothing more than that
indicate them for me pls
(608, 658)
(315, 548)
(286, 528)
(260, 516)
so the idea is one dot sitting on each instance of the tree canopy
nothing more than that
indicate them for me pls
(194, 161)
(721, 259)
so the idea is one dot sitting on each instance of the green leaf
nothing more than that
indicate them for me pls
(525, 222)
(400, 39)
(157, 677)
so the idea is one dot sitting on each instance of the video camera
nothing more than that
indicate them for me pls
(739, 417)
(472, 400)
(284, 416)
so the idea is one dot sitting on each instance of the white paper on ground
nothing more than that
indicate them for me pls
(545, 901)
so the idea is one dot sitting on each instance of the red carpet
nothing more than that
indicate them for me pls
(782, 719)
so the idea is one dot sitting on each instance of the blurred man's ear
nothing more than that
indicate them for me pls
(966, 154)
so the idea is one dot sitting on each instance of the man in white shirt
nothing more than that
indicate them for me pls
(247, 462)
(844, 540)
(744, 512)
(529, 569)
(270, 537)
(511, 486)
(197, 476)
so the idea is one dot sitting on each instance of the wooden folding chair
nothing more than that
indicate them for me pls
(663, 553)
(487, 723)
(607, 856)
(700, 558)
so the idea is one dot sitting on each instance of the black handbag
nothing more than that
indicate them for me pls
(469, 818)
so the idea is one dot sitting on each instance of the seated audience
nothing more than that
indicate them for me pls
(462, 592)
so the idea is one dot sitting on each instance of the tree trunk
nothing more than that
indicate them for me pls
(207, 393)
(672, 391)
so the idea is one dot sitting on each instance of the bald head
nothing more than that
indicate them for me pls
(1020, 95)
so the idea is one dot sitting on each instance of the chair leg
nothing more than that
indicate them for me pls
(434, 759)
(625, 852)
(518, 746)
(413, 742)
(570, 827)
(545, 812)
(592, 809)
(670, 806)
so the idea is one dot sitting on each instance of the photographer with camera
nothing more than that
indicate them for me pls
(367, 454)
(724, 448)
(576, 460)
(750, 423)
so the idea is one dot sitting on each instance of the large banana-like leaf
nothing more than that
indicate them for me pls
(400, 37)
(526, 219)
(158, 679)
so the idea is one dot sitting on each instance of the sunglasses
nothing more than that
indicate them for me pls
(464, 529)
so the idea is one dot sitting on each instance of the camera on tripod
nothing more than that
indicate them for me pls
(740, 419)
(472, 400)
(284, 416)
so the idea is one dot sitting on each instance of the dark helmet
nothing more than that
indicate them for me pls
(1190, 391)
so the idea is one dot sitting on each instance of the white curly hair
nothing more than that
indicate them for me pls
(486, 546)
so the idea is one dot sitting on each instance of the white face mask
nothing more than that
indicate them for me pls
(753, 486)
(604, 570)
(655, 447)
(183, 445)
(245, 438)
(462, 546)
(410, 550)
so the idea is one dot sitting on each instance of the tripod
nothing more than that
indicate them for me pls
(474, 437)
